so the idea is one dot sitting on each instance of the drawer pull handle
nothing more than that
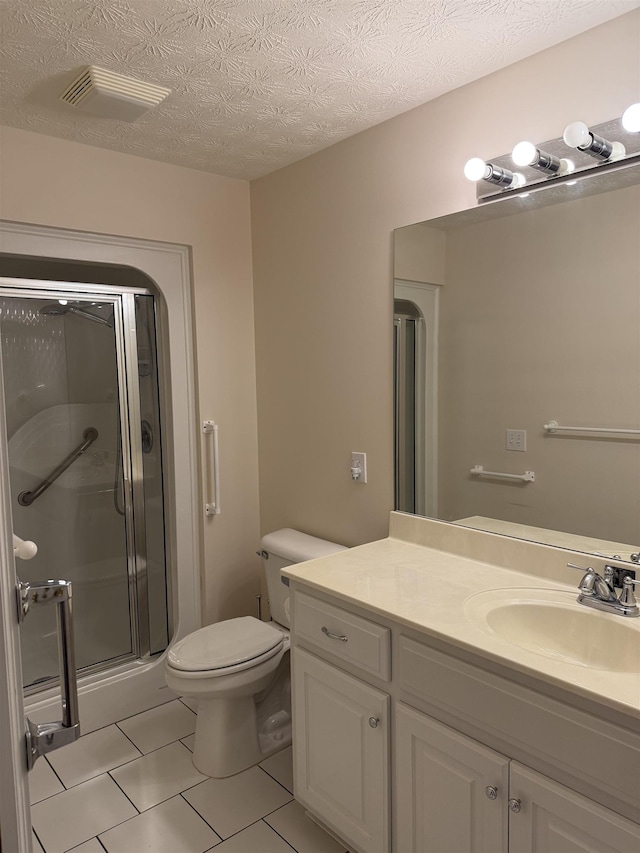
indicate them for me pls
(331, 636)
(492, 792)
(515, 805)
(373, 722)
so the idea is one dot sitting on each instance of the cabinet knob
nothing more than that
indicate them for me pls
(373, 722)
(491, 792)
(515, 805)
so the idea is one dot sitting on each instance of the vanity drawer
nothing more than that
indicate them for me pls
(344, 635)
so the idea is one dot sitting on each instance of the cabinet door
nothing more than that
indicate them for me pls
(341, 746)
(554, 819)
(451, 792)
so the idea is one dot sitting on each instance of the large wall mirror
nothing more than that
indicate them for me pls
(509, 317)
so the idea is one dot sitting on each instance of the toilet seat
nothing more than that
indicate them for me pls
(225, 647)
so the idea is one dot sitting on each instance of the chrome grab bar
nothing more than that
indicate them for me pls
(27, 498)
(45, 737)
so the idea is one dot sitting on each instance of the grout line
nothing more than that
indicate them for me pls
(56, 775)
(38, 837)
(115, 781)
(274, 779)
(156, 748)
(195, 811)
(129, 739)
(278, 834)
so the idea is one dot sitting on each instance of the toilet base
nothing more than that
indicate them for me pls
(229, 739)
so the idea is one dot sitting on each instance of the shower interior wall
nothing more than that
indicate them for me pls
(60, 377)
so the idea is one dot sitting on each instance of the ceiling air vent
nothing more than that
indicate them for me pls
(109, 95)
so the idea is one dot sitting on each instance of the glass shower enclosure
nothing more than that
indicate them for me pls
(80, 373)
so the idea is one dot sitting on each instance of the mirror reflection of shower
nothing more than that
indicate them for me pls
(415, 386)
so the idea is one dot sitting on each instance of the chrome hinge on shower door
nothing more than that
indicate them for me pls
(45, 737)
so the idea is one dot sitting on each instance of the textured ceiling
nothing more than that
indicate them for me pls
(258, 84)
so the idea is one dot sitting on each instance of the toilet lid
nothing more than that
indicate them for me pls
(225, 644)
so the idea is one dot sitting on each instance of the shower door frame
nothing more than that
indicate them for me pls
(140, 685)
(122, 299)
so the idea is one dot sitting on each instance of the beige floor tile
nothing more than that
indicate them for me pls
(66, 820)
(301, 832)
(159, 726)
(258, 838)
(43, 782)
(92, 755)
(37, 847)
(280, 766)
(158, 776)
(190, 703)
(229, 805)
(172, 826)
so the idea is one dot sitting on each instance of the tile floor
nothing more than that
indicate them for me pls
(132, 787)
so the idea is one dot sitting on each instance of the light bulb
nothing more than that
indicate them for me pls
(576, 134)
(475, 169)
(631, 118)
(62, 301)
(524, 154)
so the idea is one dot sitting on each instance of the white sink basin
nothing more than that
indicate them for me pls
(551, 623)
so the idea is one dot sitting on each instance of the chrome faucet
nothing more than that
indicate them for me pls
(600, 592)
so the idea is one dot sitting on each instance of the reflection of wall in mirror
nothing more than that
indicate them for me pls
(549, 330)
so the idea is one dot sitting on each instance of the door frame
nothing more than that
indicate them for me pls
(15, 810)
(168, 266)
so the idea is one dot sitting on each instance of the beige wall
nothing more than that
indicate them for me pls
(57, 183)
(322, 252)
(419, 254)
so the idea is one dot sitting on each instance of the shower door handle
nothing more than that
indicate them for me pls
(45, 737)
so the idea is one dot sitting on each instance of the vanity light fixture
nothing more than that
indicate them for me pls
(577, 135)
(526, 154)
(476, 170)
(631, 119)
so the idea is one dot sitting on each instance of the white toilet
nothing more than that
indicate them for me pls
(239, 672)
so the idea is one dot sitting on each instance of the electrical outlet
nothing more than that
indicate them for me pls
(359, 467)
(516, 439)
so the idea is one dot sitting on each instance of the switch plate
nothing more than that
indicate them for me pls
(516, 439)
(359, 463)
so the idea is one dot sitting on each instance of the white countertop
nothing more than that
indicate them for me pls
(426, 589)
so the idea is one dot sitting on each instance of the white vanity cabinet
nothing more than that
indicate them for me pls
(341, 724)
(341, 737)
(451, 791)
(551, 818)
(475, 762)
(454, 795)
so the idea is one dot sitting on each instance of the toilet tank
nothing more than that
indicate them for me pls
(284, 548)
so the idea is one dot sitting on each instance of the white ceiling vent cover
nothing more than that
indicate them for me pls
(109, 95)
